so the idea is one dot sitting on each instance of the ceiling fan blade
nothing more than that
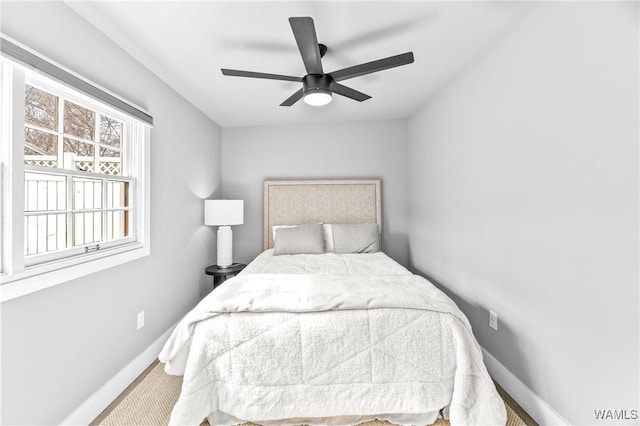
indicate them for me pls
(293, 98)
(239, 73)
(349, 92)
(373, 66)
(305, 33)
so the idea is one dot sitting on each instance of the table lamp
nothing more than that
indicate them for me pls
(223, 214)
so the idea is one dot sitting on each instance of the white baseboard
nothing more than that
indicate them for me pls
(535, 406)
(92, 407)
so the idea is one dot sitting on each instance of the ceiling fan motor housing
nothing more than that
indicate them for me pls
(317, 83)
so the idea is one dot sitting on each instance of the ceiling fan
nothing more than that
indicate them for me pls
(317, 87)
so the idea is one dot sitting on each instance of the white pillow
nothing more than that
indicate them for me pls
(356, 238)
(303, 239)
(327, 234)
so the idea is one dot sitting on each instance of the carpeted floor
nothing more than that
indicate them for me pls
(150, 399)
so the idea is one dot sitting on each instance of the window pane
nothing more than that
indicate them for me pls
(117, 224)
(45, 233)
(87, 228)
(40, 148)
(110, 161)
(78, 155)
(44, 192)
(87, 194)
(40, 108)
(117, 195)
(110, 131)
(79, 121)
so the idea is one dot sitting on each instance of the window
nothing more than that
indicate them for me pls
(75, 181)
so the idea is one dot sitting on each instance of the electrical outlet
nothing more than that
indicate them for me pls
(493, 320)
(140, 319)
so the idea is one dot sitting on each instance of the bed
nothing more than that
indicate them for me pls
(335, 335)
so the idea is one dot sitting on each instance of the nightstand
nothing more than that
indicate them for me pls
(221, 274)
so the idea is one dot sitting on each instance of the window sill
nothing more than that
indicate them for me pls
(44, 276)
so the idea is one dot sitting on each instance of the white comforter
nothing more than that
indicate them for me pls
(339, 346)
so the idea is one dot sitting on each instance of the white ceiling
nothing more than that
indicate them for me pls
(186, 43)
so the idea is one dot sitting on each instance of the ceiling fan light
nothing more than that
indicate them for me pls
(317, 97)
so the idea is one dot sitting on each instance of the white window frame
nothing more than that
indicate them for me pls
(19, 276)
(65, 94)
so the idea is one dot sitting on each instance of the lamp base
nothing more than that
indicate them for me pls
(225, 246)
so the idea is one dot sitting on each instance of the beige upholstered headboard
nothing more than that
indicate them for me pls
(292, 202)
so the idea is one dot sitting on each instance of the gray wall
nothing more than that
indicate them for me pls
(523, 199)
(62, 344)
(372, 149)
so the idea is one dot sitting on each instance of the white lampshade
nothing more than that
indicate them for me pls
(223, 212)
